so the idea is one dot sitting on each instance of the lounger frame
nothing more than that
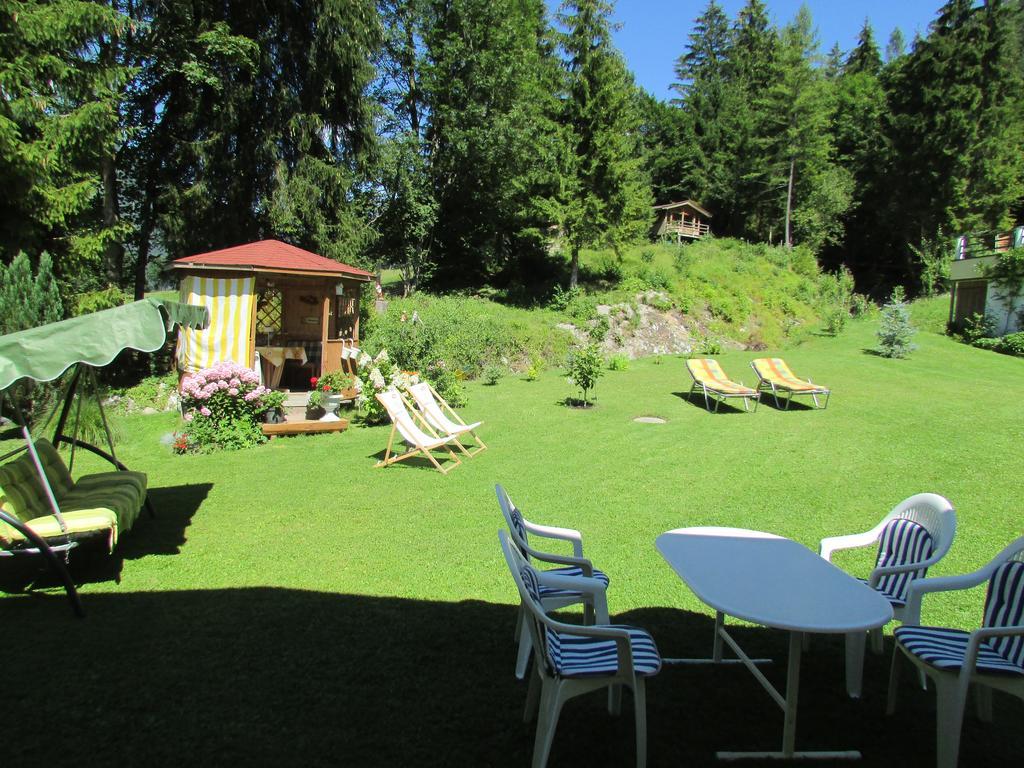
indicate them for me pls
(718, 396)
(769, 386)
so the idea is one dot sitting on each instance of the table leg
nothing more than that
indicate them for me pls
(855, 642)
(796, 646)
(716, 654)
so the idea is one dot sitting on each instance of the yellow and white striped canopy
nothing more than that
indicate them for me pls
(230, 301)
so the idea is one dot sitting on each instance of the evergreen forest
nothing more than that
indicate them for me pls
(474, 143)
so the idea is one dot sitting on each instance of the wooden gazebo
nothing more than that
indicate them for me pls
(274, 299)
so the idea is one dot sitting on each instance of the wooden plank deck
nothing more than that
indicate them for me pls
(303, 427)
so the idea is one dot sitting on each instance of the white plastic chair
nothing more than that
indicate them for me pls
(914, 536)
(420, 441)
(553, 598)
(433, 407)
(990, 657)
(571, 660)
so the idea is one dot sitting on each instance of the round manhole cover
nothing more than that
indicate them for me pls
(650, 420)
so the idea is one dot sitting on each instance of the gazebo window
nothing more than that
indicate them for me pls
(268, 311)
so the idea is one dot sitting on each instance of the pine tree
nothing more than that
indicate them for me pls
(896, 46)
(604, 197)
(58, 123)
(27, 301)
(491, 82)
(806, 189)
(702, 82)
(865, 57)
(895, 329)
(957, 128)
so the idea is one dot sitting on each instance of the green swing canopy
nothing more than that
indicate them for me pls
(44, 353)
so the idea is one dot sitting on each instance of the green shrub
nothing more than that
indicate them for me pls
(1011, 344)
(493, 373)
(584, 366)
(978, 326)
(895, 329)
(836, 296)
(618, 362)
(150, 392)
(599, 328)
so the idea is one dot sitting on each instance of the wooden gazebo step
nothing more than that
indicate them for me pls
(304, 427)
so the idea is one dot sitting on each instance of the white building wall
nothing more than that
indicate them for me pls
(998, 311)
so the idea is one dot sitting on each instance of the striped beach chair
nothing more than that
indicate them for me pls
(775, 376)
(991, 657)
(709, 379)
(571, 660)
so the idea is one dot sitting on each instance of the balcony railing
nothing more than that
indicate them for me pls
(687, 229)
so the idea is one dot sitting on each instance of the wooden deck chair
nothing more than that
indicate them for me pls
(709, 378)
(775, 376)
(433, 408)
(405, 423)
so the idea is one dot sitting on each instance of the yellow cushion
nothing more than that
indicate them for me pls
(78, 522)
(775, 370)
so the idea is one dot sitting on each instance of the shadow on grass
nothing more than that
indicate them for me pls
(271, 676)
(90, 562)
(696, 399)
(795, 405)
(414, 462)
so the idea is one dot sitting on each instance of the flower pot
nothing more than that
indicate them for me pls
(330, 404)
(272, 416)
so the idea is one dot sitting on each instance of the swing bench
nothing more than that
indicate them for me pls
(43, 510)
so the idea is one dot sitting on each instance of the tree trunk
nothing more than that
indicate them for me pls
(789, 203)
(145, 235)
(113, 251)
(574, 276)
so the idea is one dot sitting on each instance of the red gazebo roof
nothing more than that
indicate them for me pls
(270, 256)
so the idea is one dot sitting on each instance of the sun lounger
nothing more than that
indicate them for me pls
(437, 411)
(709, 379)
(776, 377)
(419, 436)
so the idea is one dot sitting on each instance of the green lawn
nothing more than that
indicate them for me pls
(293, 605)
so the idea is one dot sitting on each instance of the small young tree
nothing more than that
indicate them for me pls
(27, 301)
(584, 366)
(895, 330)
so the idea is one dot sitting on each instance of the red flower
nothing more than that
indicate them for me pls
(313, 381)
(327, 387)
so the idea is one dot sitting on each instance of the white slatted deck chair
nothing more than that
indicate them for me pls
(553, 598)
(914, 536)
(572, 660)
(420, 438)
(434, 407)
(987, 658)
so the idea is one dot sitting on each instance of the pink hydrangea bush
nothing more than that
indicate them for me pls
(221, 406)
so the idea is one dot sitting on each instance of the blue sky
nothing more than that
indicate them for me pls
(654, 32)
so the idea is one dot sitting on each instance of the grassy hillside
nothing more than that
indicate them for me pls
(756, 294)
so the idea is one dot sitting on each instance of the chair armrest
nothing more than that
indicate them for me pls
(553, 532)
(892, 570)
(979, 636)
(549, 557)
(852, 541)
(581, 584)
(920, 587)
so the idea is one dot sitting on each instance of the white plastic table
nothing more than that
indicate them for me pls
(779, 583)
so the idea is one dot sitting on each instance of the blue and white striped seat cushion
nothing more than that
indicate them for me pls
(902, 542)
(579, 656)
(1004, 607)
(571, 570)
(945, 649)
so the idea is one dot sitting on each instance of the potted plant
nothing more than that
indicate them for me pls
(273, 404)
(328, 392)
